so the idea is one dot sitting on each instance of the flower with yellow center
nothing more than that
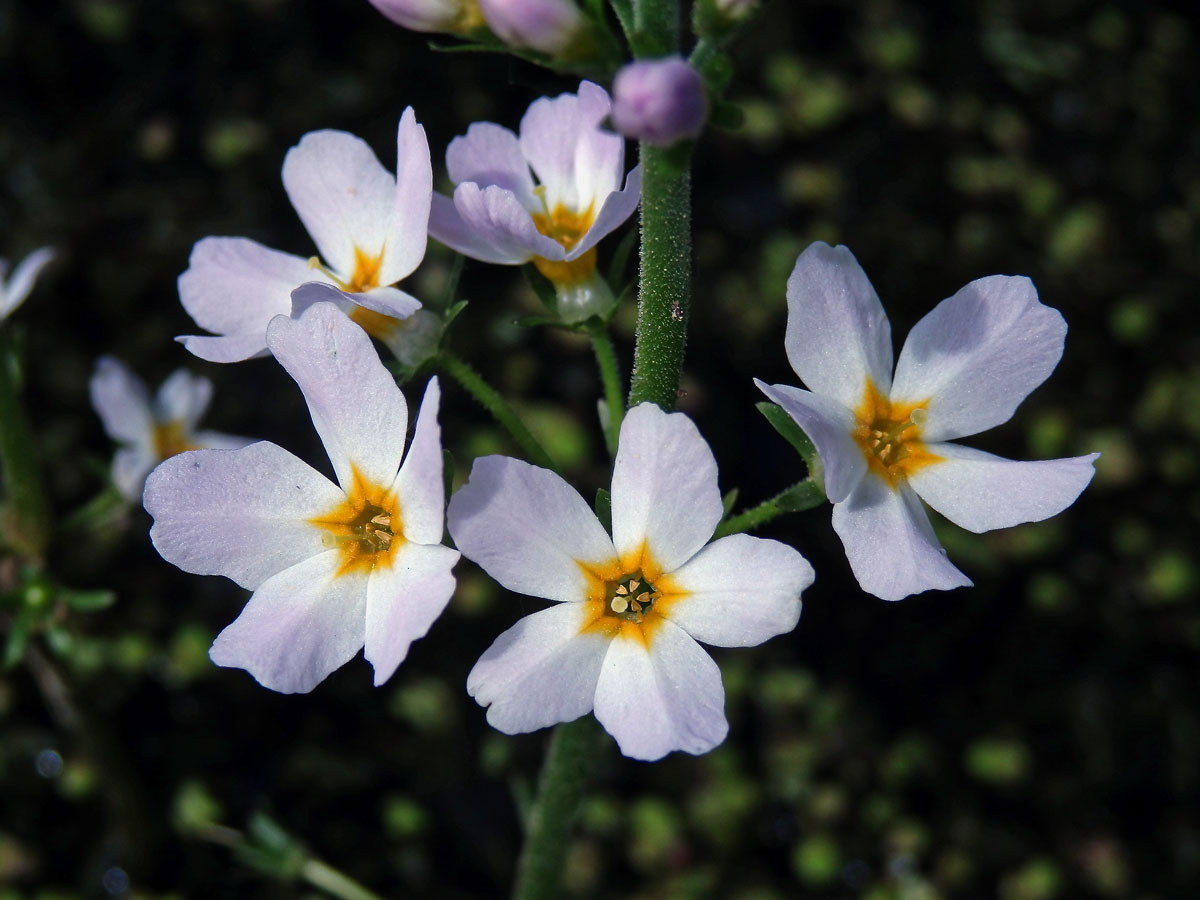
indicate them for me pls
(334, 568)
(622, 637)
(500, 215)
(148, 429)
(370, 228)
(884, 442)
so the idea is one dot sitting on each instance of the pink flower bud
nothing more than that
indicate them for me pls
(549, 26)
(659, 101)
(454, 16)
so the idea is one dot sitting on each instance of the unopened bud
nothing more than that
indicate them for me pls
(549, 26)
(452, 16)
(659, 101)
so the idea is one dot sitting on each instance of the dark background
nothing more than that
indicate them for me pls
(1034, 737)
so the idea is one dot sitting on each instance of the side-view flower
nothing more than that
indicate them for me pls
(369, 226)
(884, 440)
(622, 637)
(333, 567)
(499, 215)
(14, 290)
(151, 430)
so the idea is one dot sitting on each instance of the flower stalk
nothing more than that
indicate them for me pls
(25, 518)
(610, 378)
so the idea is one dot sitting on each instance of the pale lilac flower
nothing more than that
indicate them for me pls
(548, 26)
(369, 226)
(452, 16)
(882, 439)
(621, 638)
(333, 567)
(151, 429)
(659, 101)
(13, 291)
(499, 215)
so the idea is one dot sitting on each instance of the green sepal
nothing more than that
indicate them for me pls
(800, 497)
(789, 431)
(452, 313)
(717, 71)
(452, 281)
(603, 508)
(624, 12)
(542, 287)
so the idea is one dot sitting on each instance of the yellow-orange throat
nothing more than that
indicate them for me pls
(567, 227)
(889, 435)
(365, 527)
(628, 597)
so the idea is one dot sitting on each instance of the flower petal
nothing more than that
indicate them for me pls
(13, 293)
(407, 229)
(540, 672)
(343, 195)
(979, 491)
(234, 286)
(527, 528)
(740, 591)
(664, 487)
(978, 354)
(890, 543)
(239, 513)
(120, 399)
(837, 332)
(577, 161)
(830, 426)
(130, 467)
(183, 398)
(491, 225)
(298, 627)
(403, 600)
(662, 698)
(226, 349)
(354, 403)
(490, 154)
(419, 487)
(388, 301)
(618, 207)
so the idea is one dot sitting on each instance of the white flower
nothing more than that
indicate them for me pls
(13, 291)
(332, 566)
(499, 215)
(622, 637)
(965, 367)
(548, 26)
(151, 430)
(369, 226)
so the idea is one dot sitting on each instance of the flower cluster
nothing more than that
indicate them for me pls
(359, 562)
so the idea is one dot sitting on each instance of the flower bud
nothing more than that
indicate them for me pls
(549, 26)
(659, 101)
(453, 16)
(735, 10)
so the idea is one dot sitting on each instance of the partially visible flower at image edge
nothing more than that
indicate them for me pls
(452, 16)
(370, 227)
(334, 568)
(151, 430)
(14, 290)
(622, 636)
(884, 441)
(498, 215)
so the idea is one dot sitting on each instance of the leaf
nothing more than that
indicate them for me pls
(603, 508)
(541, 287)
(788, 430)
(453, 312)
(88, 601)
(620, 257)
(728, 501)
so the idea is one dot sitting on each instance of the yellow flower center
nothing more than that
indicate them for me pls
(365, 527)
(170, 439)
(364, 277)
(890, 435)
(628, 596)
(567, 227)
(469, 17)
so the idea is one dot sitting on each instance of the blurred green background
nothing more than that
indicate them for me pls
(1035, 737)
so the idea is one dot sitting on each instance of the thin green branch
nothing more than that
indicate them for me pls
(490, 400)
(25, 522)
(331, 881)
(806, 494)
(569, 760)
(610, 377)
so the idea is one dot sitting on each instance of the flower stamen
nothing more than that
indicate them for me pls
(889, 435)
